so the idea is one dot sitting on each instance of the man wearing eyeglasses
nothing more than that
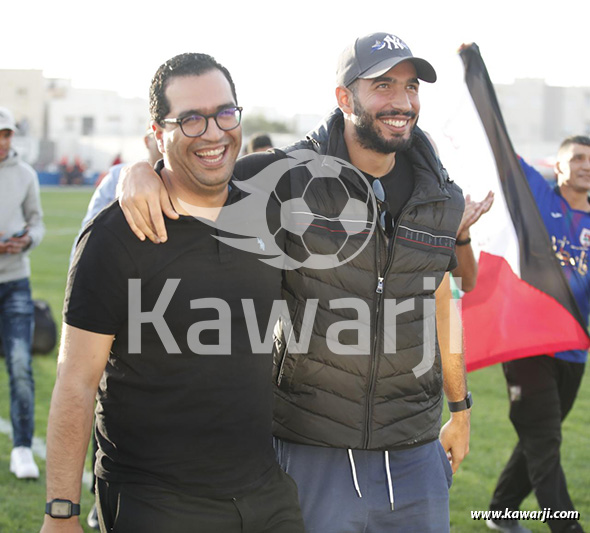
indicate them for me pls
(183, 417)
(359, 432)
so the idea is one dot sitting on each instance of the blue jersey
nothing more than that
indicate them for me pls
(569, 231)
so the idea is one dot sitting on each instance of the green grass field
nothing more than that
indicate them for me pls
(22, 502)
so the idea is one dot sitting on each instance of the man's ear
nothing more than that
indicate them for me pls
(345, 100)
(159, 136)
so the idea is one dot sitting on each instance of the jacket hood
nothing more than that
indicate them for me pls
(320, 136)
(11, 159)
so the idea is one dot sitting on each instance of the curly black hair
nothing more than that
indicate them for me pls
(189, 64)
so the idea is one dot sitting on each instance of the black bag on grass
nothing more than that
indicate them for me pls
(45, 332)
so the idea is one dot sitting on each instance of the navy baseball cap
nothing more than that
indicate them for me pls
(373, 55)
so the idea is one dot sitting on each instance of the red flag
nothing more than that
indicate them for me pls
(522, 304)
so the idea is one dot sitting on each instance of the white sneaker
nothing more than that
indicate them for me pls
(22, 464)
(92, 519)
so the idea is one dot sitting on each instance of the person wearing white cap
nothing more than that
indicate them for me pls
(21, 229)
(360, 431)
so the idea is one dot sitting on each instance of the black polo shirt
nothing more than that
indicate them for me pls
(192, 409)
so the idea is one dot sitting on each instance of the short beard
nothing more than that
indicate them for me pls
(369, 137)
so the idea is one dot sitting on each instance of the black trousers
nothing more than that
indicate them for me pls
(136, 508)
(542, 391)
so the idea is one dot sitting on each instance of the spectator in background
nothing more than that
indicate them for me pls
(21, 229)
(71, 174)
(542, 389)
(76, 176)
(64, 169)
(259, 142)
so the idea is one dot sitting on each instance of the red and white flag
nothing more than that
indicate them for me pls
(522, 304)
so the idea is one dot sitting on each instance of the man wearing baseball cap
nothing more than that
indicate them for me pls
(373, 55)
(21, 229)
(360, 432)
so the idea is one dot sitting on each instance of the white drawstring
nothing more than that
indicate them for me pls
(389, 483)
(353, 468)
(387, 470)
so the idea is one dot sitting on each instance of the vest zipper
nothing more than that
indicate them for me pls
(286, 350)
(378, 304)
(379, 289)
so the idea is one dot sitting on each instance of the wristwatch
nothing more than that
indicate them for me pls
(62, 508)
(454, 407)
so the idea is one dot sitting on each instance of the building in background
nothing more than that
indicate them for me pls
(96, 125)
(539, 116)
(57, 120)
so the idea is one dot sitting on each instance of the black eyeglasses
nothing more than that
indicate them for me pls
(385, 218)
(196, 125)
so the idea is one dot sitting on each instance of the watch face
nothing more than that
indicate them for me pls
(61, 509)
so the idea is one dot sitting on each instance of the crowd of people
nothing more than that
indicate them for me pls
(206, 419)
(71, 172)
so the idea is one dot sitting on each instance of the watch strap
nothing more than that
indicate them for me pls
(462, 405)
(463, 242)
(74, 508)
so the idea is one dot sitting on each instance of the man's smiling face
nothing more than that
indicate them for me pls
(205, 162)
(573, 167)
(386, 109)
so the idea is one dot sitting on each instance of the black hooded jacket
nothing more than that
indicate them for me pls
(370, 376)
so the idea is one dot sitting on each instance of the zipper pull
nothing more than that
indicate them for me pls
(379, 289)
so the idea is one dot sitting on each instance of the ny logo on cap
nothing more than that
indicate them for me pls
(391, 41)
